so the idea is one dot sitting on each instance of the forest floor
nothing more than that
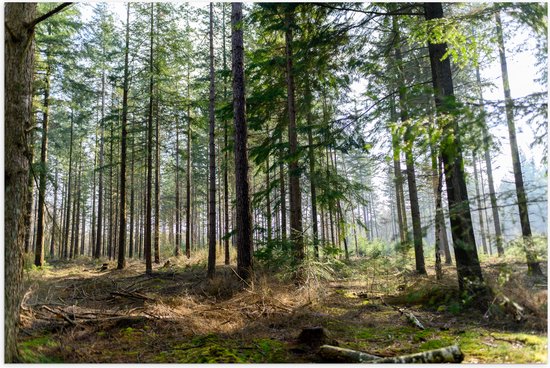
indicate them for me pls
(76, 312)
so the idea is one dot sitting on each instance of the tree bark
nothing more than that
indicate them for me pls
(66, 243)
(148, 219)
(18, 73)
(54, 220)
(532, 262)
(157, 181)
(188, 225)
(122, 209)
(312, 174)
(467, 262)
(487, 155)
(39, 245)
(243, 224)
(479, 206)
(296, 231)
(409, 159)
(99, 243)
(226, 153)
(212, 156)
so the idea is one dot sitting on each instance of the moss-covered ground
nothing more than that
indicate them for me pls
(76, 313)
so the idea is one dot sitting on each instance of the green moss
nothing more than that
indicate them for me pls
(212, 349)
(36, 350)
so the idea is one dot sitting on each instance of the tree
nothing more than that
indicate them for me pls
(532, 262)
(467, 262)
(212, 155)
(243, 215)
(296, 231)
(148, 217)
(122, 222)
(20, 20)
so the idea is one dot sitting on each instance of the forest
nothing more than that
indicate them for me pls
(194, 182)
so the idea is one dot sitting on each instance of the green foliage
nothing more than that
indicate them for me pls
(461, 45)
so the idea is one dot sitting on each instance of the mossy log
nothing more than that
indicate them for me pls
(334, 354)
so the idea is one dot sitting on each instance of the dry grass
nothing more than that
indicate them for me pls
(126, 316)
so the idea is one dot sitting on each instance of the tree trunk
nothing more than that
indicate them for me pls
(148, 219)
(18, 73)
(122, 209)
(282, 191)
(226, 153)
(39, 246)
(243, 224)
(157, 181)
(409, 159)
(487, 154)
(188, 227)
(54, 220)
(467, 262)
(296, 231)
(98, 244)
(532, 262)
(479, 206)
(212, 156)
(66, 243)
(312, 174)
(178, 239)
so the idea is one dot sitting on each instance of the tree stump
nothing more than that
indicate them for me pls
(314, 337)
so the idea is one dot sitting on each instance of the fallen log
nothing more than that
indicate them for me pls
(449, 354)
(334, 354)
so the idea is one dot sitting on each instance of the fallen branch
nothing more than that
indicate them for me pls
(411, 318)
(59, 314)
(132, 295)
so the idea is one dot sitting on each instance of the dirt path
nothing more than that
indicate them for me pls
(80, 314)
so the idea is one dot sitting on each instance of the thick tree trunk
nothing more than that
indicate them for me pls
(243, 224)
(467, 262)
(212, 156)
(18, 74)
(296, 231)
(532, 262)
(122, 207)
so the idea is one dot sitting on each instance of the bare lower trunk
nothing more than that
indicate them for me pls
(243, 224)
(19, 66)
